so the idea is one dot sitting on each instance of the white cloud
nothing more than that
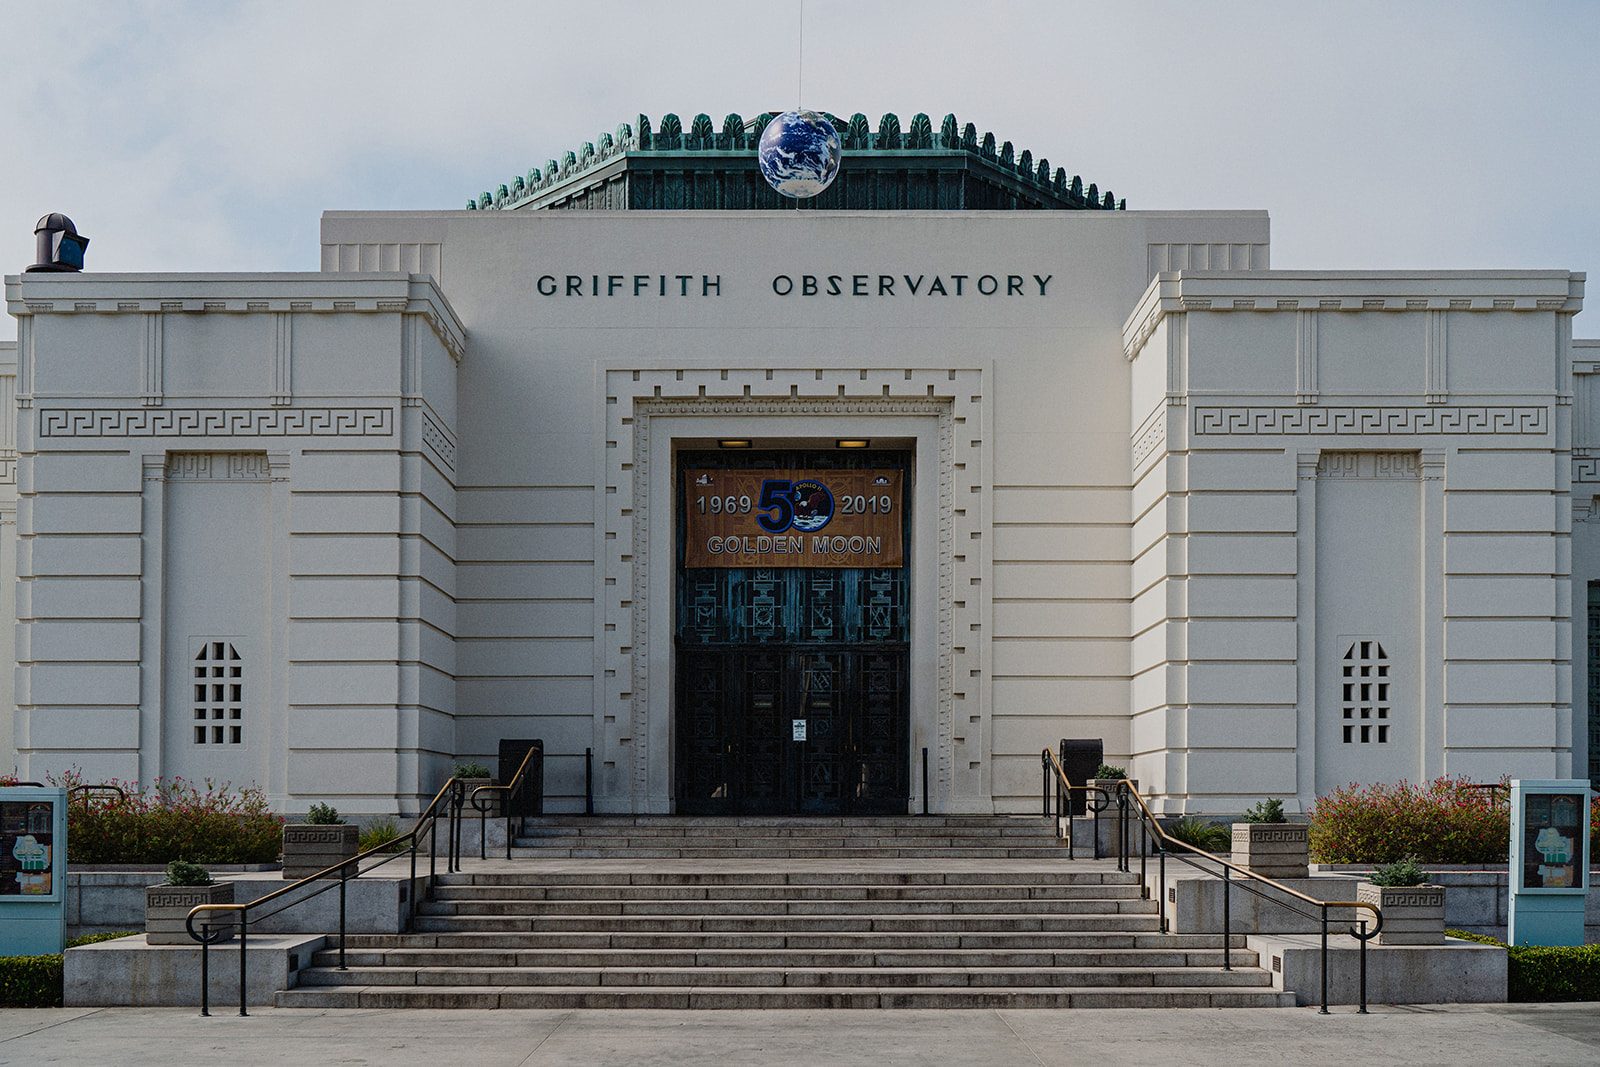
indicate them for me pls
(206, 136)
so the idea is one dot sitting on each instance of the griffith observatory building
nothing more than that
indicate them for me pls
(756, 504)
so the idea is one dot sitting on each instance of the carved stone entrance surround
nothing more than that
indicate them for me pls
(940, 412)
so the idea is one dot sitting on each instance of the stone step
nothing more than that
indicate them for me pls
(521, 850)
(701, 845)
(1029, 829)
(800, 823)
(535, 896)
(789, 977)
(611, 959)
(532, 909)
(1045, 876)
(855, 941)
(786, 924)
(568, 997)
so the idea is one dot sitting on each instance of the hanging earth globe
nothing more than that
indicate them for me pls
(799, 154)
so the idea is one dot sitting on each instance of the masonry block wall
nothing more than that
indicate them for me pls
(235, 525)
(1363, 507)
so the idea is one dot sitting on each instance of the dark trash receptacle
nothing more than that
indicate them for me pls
(529, 800)
(1080, 758)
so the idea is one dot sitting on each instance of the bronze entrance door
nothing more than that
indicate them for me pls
(791, 692)
(778, 732)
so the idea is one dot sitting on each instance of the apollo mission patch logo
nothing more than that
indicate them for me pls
(811, 504)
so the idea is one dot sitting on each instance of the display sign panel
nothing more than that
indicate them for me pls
(798, 518)
(26, 842)
(1552, 851)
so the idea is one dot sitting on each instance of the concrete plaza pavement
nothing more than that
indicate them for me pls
(1522, 1034)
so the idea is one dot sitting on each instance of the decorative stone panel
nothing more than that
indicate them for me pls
(312, 847)
(1412, 915)
(1273, 849)
(167, 907)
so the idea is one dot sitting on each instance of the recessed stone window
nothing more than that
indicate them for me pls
(218, 694)
(1364, 698)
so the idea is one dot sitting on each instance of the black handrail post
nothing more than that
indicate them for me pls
(342, 880)
(1144, 847)
(1044, 786)
(1124, 812)
(924, 780)
(433, 847)
(205, 970)
(411, 886)
(1363, 938)
(1324, 1009)
(513, 799)
(1123, 837)
(244, 932)
(1094, 808)
(1227, 922)
(1162, 865)
(588, 781)
(483, 827)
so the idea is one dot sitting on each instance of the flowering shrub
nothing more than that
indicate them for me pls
(1446, 821)
(171, 820)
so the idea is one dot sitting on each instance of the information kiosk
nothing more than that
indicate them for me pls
(1549, 861)
(33, 870)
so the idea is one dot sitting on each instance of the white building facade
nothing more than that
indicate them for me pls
(1263, 532)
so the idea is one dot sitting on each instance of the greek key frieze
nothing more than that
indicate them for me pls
(216, 422)
(300, 835)
(1436, 419)
(1586, 469)
(1257, 836)
(178, 898)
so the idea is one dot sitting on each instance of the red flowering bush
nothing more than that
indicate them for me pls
(1446, 821)
(171, 820)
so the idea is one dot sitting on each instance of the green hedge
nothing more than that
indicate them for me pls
(1536, 973)
(30, 981)
(35, 981)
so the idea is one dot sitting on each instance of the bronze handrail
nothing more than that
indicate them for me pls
(341, 870)
(509, 790)
(1147, 820)
(1063, 792)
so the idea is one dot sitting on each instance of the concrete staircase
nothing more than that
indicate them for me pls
(869, 913)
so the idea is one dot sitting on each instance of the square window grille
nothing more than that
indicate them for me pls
(1365, 706)
(218, 705)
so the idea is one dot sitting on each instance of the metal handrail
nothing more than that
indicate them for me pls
(1149, 824)
(1063, 791)
(1493, 788)
(510, 790)
(122, 795)
(238, 916)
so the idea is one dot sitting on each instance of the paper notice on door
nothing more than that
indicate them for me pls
(799, 729)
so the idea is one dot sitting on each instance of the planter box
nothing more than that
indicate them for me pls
(311, 847)
(1412, 915)
(491, 800)
(166, 910)
(1273, 849)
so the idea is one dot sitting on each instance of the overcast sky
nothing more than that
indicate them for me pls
(210, 136)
